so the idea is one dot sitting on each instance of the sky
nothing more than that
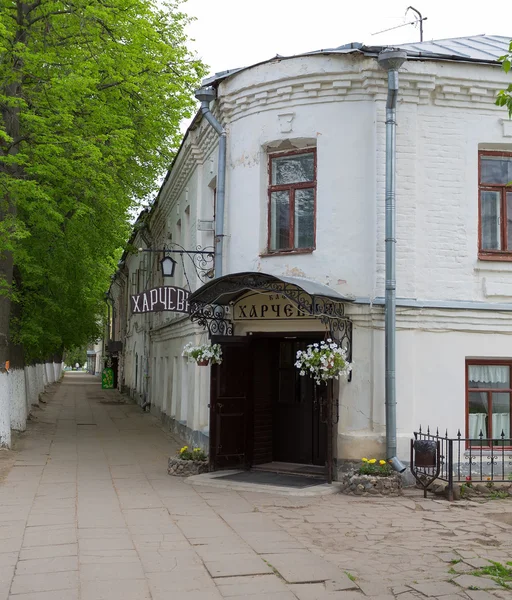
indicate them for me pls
(236, 33)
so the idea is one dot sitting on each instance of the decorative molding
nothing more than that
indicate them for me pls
(507, 127)
(286, 121)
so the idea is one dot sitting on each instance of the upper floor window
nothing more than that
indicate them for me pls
(495, 206)
(292, 201)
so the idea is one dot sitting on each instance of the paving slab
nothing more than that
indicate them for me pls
(471, 581)
(302, 567)
(47, 565)
(133, 589)
(55, 595)
(44, 582)
(247, 586)
(236, 566)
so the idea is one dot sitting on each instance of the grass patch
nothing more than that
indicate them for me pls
(501, 574)
(498, 494)
(350, 576)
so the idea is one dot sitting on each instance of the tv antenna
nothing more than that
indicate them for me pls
(417, 21)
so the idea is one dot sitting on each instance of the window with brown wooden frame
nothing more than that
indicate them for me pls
(488, 393)
(292, 201)
(495, 205)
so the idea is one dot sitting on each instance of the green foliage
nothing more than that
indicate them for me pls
(186, 453)
(501, 574)
(373, 466)
(75, 355)
(98, 90)
(504, 97)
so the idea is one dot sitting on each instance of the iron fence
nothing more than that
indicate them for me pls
(463, 459)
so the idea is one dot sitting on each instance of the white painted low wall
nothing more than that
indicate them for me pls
(50, 374)
(57, 369)
(39, 379)
(5, 419)
(31, 385)
(17, 399)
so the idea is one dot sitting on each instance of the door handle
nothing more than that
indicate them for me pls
(219, 406)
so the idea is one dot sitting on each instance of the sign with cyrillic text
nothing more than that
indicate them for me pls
(165, 298)
(266, 307)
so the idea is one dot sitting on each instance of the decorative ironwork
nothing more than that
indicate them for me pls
(471, 460)
(216, 318)
(312, 305)
(213, 317)
(203, 259)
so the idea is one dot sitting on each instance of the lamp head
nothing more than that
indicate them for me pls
(168, 265)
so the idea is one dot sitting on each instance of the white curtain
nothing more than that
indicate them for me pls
(500, 422)
(477, 424)
(489, 374)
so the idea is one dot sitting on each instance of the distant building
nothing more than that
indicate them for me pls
(304, 226)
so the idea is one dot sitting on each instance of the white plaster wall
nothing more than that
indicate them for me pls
(344, 137)
(17, 399)
(5, 418)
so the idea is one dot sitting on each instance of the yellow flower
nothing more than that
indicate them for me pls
(184, 449)
(372, 461)
(364, 459)
(382, 462)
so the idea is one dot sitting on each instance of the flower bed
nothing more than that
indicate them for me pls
(355, 484)
(372, 478)
(188, 462)
(184, 468)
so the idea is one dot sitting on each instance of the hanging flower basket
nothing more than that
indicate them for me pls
(203, 355)
(323, 361)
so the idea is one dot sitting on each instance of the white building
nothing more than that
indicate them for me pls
(304, 204)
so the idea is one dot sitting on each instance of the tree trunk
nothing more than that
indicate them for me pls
(10, 116)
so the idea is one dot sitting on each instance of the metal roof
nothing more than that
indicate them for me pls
(475, 48)
(229, 288)
(486, 49)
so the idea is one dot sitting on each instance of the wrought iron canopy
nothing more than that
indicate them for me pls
(209, 305)
(313, 298)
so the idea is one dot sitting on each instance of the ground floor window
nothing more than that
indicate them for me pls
(488, 392)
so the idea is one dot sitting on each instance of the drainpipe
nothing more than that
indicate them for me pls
(391, 60)
(205, 95)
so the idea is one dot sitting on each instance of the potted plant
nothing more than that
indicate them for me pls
(323, 361)
(204, 354)
(189, 461)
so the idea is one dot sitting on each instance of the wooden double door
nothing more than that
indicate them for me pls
(261, 409)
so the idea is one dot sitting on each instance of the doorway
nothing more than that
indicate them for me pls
(262, 410)
(299, 434)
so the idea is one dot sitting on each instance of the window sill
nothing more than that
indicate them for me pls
(268, 254)
(496, 256)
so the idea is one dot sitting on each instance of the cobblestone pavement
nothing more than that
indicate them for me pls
(88, 511)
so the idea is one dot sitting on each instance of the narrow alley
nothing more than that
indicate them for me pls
(88, 512)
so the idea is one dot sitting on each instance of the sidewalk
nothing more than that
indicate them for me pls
(88, 512)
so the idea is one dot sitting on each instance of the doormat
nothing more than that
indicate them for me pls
(276, 479)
